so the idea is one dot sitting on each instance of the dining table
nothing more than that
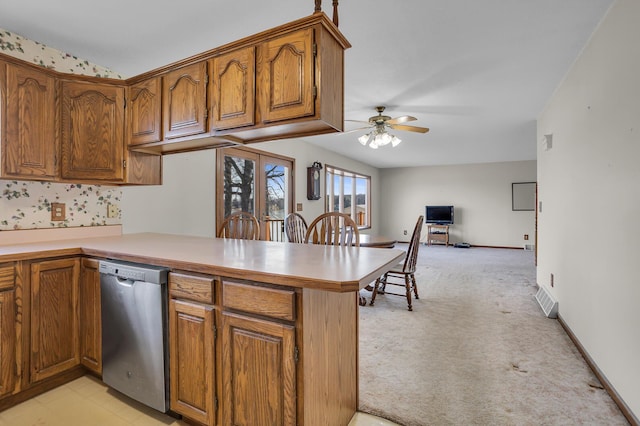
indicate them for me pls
(377, 241)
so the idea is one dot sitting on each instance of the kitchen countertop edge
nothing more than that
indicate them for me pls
(337, 269)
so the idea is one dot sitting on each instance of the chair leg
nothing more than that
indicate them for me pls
(415, 287)
(383, 284)
(375, 291)
(407, 284)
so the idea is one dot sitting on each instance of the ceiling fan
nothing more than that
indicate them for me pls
(378, 135)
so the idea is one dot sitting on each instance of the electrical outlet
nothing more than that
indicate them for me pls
(405, 232)
(112, 211)
(298, 207)
(58, 212)
(526, 236)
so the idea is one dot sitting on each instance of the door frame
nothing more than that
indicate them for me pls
(261, 158)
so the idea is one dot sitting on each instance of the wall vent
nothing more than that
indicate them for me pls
(546, 302)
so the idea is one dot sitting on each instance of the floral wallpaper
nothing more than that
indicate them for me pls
(19, 47)
(27, 205)
(30, 204)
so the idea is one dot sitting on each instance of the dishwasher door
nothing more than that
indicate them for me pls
(134, 331)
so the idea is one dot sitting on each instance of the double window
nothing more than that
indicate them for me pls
(258, 183)
(350, 193)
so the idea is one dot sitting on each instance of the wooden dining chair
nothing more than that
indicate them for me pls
(240, 225)
(404, 271)
(333, 228)
(295, 227)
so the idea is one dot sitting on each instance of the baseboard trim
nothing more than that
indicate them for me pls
(626, 411)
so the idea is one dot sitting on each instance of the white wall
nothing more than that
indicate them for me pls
(480, 194)
(185, 202)
(589, 185)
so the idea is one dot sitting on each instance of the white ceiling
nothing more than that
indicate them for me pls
(476, 72)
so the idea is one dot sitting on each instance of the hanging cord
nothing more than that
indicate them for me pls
(318, 9)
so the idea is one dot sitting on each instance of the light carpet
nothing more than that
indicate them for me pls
(476, 350)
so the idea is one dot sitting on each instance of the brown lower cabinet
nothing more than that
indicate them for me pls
(8, 323)
(192, 370)
(54, 317)
(258, 371)
(90, 316)
(241, 351)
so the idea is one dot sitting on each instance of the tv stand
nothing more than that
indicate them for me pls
(438, 233)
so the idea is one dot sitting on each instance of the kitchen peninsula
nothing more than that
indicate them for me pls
(261, 331)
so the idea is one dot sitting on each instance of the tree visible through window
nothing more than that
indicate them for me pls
(350, 193)
(258, 183)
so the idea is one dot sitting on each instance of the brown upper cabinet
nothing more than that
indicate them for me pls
(184, 101)
(71, 128)
(145, 111)
(233, 89)
(92, 133)
(281, 83)
(29, 145)
(298, 78)
(287, 76)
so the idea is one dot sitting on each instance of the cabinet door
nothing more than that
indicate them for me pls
(7, 343)
(92, 131)
(192, 371)
(233, 89)
(54, 317)
(258, 372)
(184, 101)
(29, 146)
(90, 316)
(145, 112)
(286, 76)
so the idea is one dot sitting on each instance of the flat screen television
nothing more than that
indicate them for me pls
(439, 215)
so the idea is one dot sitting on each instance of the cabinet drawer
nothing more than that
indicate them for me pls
(7, 276)
(198, 288)
(266, 301)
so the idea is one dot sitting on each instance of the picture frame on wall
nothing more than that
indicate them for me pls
(523, 196)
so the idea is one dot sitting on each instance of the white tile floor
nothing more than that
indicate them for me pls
(88, 402)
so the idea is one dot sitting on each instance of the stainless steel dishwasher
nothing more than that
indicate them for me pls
(134, 331)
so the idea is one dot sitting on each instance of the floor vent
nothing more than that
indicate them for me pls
(548, 305)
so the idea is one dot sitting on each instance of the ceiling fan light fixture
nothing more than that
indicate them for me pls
(364, 139)
(383, 139)
(379, 124)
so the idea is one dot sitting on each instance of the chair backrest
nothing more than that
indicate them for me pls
(333, 228)
(295, 227)
(240, 225)
(411, 260)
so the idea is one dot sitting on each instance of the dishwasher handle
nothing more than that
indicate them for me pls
(125, 282)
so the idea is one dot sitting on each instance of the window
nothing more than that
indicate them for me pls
(255, 182)
(344, 186)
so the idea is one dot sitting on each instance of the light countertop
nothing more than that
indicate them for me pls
(341, 269)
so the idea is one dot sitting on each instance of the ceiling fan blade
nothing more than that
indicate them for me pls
(402, 119)
(409, 128)
(358, 121)
(359, 129)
